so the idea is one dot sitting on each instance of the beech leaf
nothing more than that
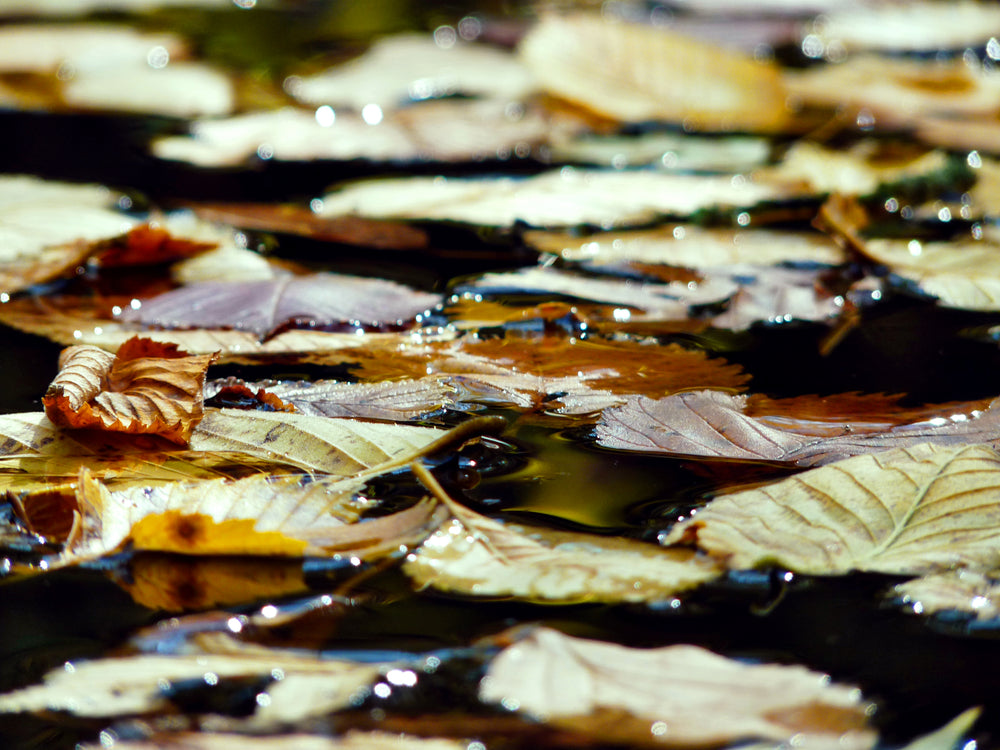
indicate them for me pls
(475, 555)
(262, 307)
(715, 424)
(146, 387)
(905, 511)
(972, 592)
(637, 73)
(688, 695)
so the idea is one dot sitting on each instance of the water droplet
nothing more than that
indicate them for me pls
(445, 36)
(812, 46)
(865, 120)
(158, 58)
(382, 690)
(743, 219)
(372, 114)
(974, 160)
(325, 116)
(265, 151)
(659, 728)
(892, 205)
(263, 700)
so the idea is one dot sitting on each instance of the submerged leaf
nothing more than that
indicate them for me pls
(639, 73)
(690, 696)
(905, 511)
(145, 388)
(263, 307)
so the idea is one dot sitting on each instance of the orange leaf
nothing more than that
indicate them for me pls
(149, 244)
(186, 533)
(147, 388)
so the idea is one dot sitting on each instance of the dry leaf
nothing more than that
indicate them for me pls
(675, 696)
(905, 511)
(146, 388)
(715, 424)
(683, 152)
(478, 556)
(563, 198)
(264, 307)
(639, 73)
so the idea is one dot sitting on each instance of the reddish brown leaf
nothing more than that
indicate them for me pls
(148, 245)
(236, 395)
(148, 387)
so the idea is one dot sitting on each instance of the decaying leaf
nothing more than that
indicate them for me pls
(475, 555)
(639, 73)
(716, 424)
(905, 511)
(674, 696)
(145, 388)
(972, 592)
(562, 198)
(263, 307)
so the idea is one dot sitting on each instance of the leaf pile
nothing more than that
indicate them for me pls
(541, 380)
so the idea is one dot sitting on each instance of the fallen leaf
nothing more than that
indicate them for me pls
(638, 73)
(691, 246)
(907, 511)
(688, 695)
(403, 68)
(682, 152)
(352, 740)
(561, 198)
(718, 425)
(264, 307)
(145, 388)
(400, 401)
(475, 555)
(969, 591)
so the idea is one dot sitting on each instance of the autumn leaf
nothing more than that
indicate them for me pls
(969, 591)
(352, 740)
(716, 424)
(264, 307)
(905, 511)
(690, 696)
(561, 198)
(682, 152)
(145, 388)
(638, 73)
(478, 556)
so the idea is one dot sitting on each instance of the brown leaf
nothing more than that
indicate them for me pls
(234, 394)
(352, 740)
(637, 73)
(905, 511)
(146, 387)
(148, 244)
(690, 697)
(972, 592)
(264, 307)
(710, 423)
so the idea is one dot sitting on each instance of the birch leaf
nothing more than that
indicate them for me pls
(904, 511)
(262, 307)
(563, 198)
(637, 73)
(690, 696)
(145, 388)
(475, 555)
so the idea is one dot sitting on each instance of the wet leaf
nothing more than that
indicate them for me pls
(688, 695)
(715, 424)
(352, 740)
(145, 388)
(400, 401)
(673, 151)
(638, 73)
(969, 591)
(475, 555)
(905, 511)
(133, 685)
(263, 307)
(564, 198)
(691, 247)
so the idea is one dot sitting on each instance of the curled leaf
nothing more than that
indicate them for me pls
(147, 387)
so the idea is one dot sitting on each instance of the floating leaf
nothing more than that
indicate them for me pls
(688, 695)
(475, 555)
(145, 388)
(352, 740)
(639, 73)
(564, 198)
(715, 424)
(972, 592)
(692, 247)
(904, 511)
(262, 307)
(673, 151)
